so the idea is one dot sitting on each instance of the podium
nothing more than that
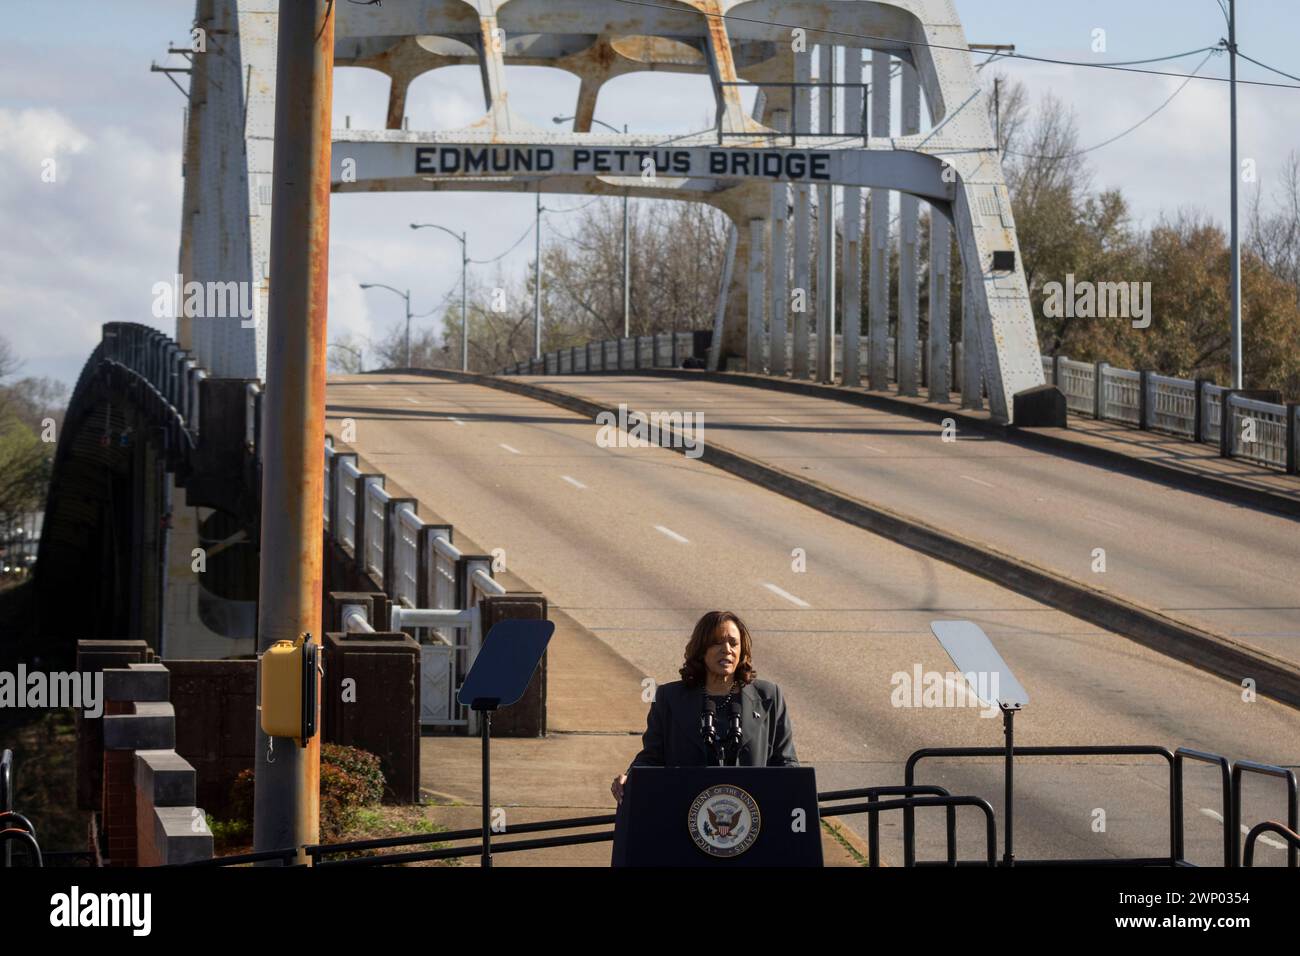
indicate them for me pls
(718, 816)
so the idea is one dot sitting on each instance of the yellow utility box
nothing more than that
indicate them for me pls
(287, 691)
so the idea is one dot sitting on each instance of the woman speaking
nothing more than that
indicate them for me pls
(719, 713)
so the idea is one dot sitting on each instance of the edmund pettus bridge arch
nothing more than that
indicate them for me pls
(765, 168)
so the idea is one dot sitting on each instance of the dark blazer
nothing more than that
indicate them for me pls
(672, 733)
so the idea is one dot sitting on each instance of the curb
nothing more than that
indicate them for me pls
(1089, 454)
(1235, 661)
(1079, 451)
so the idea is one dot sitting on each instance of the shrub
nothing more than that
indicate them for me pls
(350, 779)
(359, 763)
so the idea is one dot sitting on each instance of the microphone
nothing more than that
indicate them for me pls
(734, 734)
(708, 730)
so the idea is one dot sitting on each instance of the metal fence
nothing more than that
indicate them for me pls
(1260, 432)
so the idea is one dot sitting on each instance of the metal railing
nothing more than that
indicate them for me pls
(1261, 432)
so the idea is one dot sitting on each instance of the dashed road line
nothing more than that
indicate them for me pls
(782, 592)
(978, 481)
(672, 534)
(512, 450)
(1262, 838)
(573, 481)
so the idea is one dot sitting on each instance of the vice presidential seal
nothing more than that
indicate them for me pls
(724, 821)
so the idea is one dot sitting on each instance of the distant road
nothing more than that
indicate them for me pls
(635, 543)
(1225, 568)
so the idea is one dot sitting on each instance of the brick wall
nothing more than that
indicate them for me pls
(117, 810)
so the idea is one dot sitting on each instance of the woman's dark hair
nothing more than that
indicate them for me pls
(708, 631)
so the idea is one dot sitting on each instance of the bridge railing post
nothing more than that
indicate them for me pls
(1292, 436)
(360, 534)
(1225, 424)
(1099, 391)
(1144, 399)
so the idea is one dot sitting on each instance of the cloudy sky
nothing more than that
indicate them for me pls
(75, 85)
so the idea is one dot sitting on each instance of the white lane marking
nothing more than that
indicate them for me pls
(372, 387)
(978, 482)
(413, 401)
(672, 534)
(781, 420)
(781, 592)
(513, 451)
(881, 451)
(573, 481)
(1262, 838)
(458, 422)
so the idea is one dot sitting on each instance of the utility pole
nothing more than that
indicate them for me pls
(287, 778)
(1237, 376)
(537, 287)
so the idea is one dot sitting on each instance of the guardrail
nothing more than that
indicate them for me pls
(1261, 432)
(416, 564)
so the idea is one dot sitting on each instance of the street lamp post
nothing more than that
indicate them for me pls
(463, 239)
(627, 254)
(537, 282)
(407, 297)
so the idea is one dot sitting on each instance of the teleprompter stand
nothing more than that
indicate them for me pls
(500, 675)
(991, 680)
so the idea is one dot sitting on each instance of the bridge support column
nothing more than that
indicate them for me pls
(940, 290)
(802, 226)
(778, 271)
(972, 373)
(909, 293)
(757, 271)
(826, 229)
(851, 374)
(878, 313)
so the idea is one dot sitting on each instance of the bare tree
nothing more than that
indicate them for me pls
(1275, 236)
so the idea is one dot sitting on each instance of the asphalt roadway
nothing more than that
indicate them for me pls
(635, 543)
(1220, 566)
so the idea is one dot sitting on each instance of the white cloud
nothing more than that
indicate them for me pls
(86, 248)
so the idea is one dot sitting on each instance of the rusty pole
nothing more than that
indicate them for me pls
(287, 777)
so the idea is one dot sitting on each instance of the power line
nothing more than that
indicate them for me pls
(482, 262)
(440, 304)
(1265, 66)
(1135, 126)
(1119, 67)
